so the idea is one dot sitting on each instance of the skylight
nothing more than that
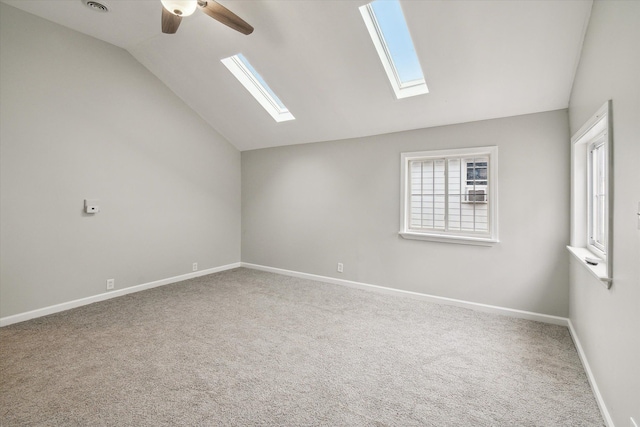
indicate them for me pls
(255, 84)
(390, 35)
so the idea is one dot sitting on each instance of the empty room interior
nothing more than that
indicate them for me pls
(340, 213)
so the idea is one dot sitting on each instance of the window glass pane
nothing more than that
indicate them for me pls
(416, 194)
(438, 211)
(455, 177)
(592, 196)
(398, 40)
(415, 215)
(599, 220)
(260, 80)
(597, 196)
(481, 217)
(427, 177)
(477, 171)
(427, 186)
(601, 169)
(467, 218)
(454, 187)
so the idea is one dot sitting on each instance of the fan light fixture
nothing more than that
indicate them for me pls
(180, 7)
(174, 10)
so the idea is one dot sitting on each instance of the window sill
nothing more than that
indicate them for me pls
(598, 271)
(460, 240)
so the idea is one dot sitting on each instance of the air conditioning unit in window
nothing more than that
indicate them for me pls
(475, 195)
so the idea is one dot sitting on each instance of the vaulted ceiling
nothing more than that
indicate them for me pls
(481, 59)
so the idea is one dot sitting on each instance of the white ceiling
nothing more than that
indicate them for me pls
(481, 59)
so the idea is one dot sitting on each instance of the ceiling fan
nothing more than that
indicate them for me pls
(174, 10)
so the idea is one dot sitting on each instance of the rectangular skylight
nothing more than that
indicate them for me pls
(390, 35)
(255, 84)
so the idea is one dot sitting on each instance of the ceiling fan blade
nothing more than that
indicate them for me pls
(224, 15)
(170, 22)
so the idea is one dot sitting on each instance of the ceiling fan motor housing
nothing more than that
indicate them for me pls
(180, 7)
(174, 10)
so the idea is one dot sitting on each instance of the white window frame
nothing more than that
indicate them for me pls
(452, 236)
(400, 89)
(235, 65)
(596, 132)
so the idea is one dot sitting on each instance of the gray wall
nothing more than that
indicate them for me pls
(83, 119)
(608, 321)
(307, 207)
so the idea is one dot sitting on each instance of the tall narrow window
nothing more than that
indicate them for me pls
(450, 195)
(591, 196)
(597, 211)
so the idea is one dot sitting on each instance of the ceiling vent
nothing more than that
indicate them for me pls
(94, 5)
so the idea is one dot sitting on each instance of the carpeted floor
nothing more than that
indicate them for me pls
(247, 348)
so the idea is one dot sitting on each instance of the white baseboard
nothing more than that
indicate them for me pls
(592, 380)
(21, 317)
(521, 314)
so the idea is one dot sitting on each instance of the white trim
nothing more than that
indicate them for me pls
(598, 271)
(592, 380)
(594, 126)
(520, 314)
(443, 238)
(21, 317)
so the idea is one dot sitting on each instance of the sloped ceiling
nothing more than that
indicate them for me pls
(481, 59)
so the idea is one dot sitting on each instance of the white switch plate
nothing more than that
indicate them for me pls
(195, 266)
(340, 267)
(111, 283)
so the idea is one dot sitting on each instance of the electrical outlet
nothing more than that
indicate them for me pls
(340, 267)
(111, 283)
(91, 206)
(632, 422)
(195, 266)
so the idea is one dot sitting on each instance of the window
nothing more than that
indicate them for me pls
(476, 173)
(242, 69)
(390, 35)
(597, 195)
(591, 196)
(450, 195)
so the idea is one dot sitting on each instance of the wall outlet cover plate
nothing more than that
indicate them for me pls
(91, 206)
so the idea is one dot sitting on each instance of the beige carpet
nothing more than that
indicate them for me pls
(246, 348)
